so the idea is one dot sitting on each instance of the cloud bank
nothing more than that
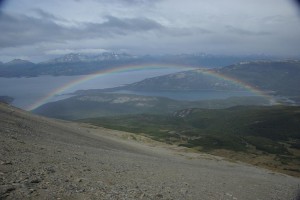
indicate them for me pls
(32, 28)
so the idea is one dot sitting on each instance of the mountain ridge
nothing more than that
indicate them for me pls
(83, 64)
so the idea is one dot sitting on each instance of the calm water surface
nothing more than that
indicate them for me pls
(27, 91)
(192, 95)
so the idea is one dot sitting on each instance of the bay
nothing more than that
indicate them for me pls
(27, 91)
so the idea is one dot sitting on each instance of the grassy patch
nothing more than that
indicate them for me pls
(236, 129)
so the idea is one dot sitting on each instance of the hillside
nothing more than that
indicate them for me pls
(49, 159)
(6, 99)
(281, 77)
(245, 133)
(110, 104)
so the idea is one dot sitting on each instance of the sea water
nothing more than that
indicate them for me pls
(27, 91)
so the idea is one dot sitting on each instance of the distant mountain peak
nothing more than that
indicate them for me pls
(19, 62)
(68, 58)
(78, 57)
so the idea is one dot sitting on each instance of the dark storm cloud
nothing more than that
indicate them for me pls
(24, 30)
(244, 32)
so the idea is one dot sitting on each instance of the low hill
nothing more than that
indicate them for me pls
(251, 131)
(50, 159)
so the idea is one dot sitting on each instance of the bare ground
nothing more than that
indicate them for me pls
(50, 159)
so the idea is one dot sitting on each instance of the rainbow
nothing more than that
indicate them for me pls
(121, 69)
(113, 70)
(236, 81)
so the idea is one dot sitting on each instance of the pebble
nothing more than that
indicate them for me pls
(35, 181)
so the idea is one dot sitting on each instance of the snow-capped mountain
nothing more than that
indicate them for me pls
(19, 62)
(77, 57)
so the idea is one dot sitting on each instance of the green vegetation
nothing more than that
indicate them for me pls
(111, 104)
(271, 130)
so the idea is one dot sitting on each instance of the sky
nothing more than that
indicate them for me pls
(38, 30)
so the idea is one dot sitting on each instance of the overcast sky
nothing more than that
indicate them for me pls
(37, 30)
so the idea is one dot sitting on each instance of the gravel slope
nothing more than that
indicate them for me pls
(50, 159)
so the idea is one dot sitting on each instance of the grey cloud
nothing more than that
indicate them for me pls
(24, 30)
(244, 32)
(133, 24)
(179, 32)
(48, 16)
(275, 19)
(137, 2)
(126, 2)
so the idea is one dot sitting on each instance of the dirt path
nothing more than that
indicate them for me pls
(51, 159)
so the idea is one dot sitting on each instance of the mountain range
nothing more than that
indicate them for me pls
(82, 64)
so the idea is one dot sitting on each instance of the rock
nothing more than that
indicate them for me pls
(6, 163)
(9, 189)
(50, 170)
(35, 181)
(80, 191)
(79, 180)
(183, 191)
(31, 190)
(142, 195)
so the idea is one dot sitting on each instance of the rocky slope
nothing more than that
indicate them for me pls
(50, 159)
